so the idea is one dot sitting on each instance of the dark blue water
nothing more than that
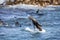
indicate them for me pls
(50, 21)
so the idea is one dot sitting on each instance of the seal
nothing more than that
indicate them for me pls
(3, 23)
(17, 24)
(35, 23)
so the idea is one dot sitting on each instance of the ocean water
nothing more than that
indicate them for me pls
(50, 21)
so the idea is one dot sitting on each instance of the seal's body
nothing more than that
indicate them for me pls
(2, 23)
(38, 26)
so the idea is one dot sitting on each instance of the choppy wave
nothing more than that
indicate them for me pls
(35, 7)
(24, 6)
(49, 22)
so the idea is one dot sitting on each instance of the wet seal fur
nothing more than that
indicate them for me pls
(38, 26)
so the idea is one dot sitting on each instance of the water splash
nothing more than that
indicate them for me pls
(2, 1)
(35, 31)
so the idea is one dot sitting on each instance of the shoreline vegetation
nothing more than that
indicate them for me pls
(42, 3)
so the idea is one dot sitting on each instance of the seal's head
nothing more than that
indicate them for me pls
(31, 18)
(17, 23)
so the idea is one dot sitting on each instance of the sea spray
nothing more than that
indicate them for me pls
(35, 31)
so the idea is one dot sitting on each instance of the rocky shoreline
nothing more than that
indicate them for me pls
(34, 2)
(40, 3)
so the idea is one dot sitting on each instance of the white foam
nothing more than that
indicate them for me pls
(34, 31)
(53, 6)
(6, 25)
(43, 31)
(48, 8)
(24, 6)
(28, 29)
(2, 1)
